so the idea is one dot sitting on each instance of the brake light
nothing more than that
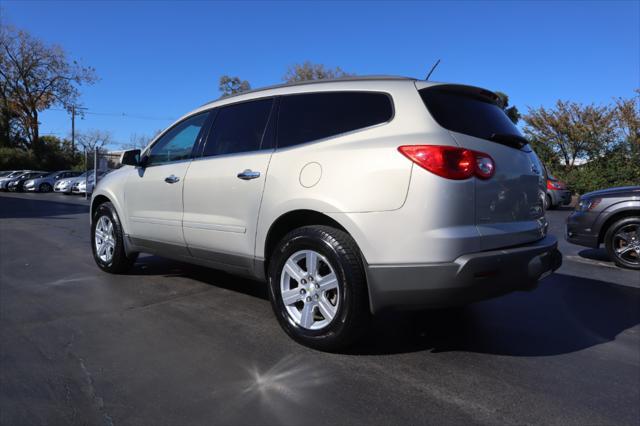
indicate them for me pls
(555, 184)
(450, 162)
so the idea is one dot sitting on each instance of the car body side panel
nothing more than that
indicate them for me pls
(426, 229)
(112, 186)
(221, 210)
(618, 206)
(356, 172)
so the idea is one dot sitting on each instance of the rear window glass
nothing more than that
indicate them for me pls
(463, 111)
(312, 116)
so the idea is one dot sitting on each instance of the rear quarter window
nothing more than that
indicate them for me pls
(308, 117)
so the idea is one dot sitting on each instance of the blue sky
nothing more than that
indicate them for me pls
(158, 60)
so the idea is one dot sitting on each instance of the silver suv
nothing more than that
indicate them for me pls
(348, 197)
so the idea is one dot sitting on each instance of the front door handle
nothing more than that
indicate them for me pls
(248, 174)
(172, 179)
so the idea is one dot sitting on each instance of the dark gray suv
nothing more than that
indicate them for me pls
(610, 217)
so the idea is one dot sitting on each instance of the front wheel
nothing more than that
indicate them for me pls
(107, 241)
(622, 241)
(45, 187)
(317, 288)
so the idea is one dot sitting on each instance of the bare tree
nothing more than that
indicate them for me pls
(34, 77)
(140, 142)
(310, 71)
(93, 139)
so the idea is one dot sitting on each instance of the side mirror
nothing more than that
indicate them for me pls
(131, 157)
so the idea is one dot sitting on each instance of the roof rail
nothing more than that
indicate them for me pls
(305, 82)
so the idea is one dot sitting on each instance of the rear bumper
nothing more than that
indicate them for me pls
(560, 197)
(470, 278)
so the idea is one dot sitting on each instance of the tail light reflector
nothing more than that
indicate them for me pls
(450, 162)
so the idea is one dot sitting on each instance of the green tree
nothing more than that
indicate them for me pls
(310, 71)
(34, 77)
(605, 138)
(570, 131)
(627, 117)
(511, 111)
(232, 85)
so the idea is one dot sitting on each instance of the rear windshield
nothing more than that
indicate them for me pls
(466, 110)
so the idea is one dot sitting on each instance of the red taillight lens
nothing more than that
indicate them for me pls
(450, 162)
(554, 185)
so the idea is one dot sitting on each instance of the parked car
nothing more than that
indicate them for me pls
(6, 173)
(348, 197)
(80, 186)
(17, 184)
(46, 183)
(557, 193)
(610, 217)
(4, 181)
(65, 185)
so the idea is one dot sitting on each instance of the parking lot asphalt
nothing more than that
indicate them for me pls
(175, 344)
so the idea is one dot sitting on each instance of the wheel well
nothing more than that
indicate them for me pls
(614, 218)
(290, 221)
(96, 202)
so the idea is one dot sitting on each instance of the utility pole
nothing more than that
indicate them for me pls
(73, 130)
(95, 172)
(73, 127)
(86, 173)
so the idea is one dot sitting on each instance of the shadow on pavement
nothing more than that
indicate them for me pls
(599, 254)
(564, 314)
(153, 265)
(17, 208)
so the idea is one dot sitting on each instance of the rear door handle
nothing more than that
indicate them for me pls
(172, 179)
(248, 174)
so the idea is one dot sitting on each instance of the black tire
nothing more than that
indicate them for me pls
(45, 187)
(352, 317)
(119, 262)
(548, 203)
(611, 242)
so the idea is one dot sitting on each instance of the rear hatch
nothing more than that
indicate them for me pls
(508, 206)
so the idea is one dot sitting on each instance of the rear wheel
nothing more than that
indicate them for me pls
(45, 187)
(548, 203)
(107, 241)
(317, 288)
(622, 241)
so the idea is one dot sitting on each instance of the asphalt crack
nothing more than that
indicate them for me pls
(97, 400)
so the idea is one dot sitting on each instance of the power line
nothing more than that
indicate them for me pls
(121, 114)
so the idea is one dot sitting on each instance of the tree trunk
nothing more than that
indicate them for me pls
(35, 134)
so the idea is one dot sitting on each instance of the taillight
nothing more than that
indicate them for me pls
(450, 162)
(554, 185)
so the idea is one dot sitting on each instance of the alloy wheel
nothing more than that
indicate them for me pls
(104, 239)
(309, 289)
(626, 243)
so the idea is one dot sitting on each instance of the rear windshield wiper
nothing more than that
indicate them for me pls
(515, 141)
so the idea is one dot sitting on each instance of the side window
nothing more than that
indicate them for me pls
(307, 117)
(178, 142)
(238, 128)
